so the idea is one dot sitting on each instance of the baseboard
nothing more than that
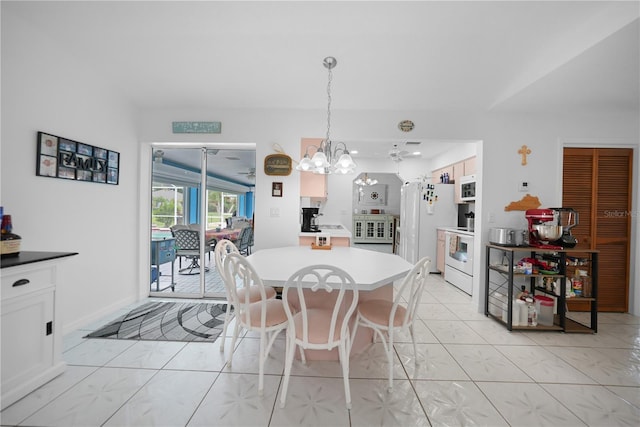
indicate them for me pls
(96, 315)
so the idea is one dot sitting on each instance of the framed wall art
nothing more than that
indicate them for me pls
(63, 158)
(276, 189)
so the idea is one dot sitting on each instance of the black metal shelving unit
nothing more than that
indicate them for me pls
(507, 272)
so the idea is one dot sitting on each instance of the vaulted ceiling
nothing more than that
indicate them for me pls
(421, 55)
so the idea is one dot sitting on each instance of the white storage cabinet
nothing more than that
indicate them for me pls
(373, 228)
(31, 338)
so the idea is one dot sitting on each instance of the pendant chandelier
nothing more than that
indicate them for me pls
(365, 180)
(328, 159)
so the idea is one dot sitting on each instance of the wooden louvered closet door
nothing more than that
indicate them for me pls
(597, 183)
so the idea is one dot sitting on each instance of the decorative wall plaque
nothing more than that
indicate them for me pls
(277, 164)
(406, 126)
(527, 202)
(63, 158)
(197, 127)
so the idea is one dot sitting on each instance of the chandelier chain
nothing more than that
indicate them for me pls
(329, 105)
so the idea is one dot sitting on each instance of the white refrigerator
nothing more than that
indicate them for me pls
(423, 208)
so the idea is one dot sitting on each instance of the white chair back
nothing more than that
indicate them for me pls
(265, 315)
(301, 292)
(411, 290)
(222, 249)
(322, 322)
(385, 317)
(242, 275)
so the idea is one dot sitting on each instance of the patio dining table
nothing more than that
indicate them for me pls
(213, 235)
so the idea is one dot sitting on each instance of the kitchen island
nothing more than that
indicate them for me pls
(339, 234)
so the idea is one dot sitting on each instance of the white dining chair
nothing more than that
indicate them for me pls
(222, 249)
(387, 317)
(266, 315)
(316, 322)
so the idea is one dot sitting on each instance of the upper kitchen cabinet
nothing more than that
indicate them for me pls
(438, 173)
(456, 171)
(470, 166)
(311, 184)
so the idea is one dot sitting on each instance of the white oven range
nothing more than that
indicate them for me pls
(458, 268)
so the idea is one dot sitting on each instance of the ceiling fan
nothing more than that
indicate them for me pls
(251, 173)
(398, 155)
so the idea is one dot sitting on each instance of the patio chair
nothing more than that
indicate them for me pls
(387, 317)
(320, 322)
(265, 316)
(250, 244)
(188, 246)
(222, 249)
(243, 240)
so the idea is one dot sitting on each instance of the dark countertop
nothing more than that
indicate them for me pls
(29, 257)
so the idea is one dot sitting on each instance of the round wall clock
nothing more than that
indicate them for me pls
(374, 195)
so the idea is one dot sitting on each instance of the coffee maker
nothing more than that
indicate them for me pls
(310, 220)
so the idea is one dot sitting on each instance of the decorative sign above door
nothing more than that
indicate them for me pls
(197, 127)
(63, 158)
(277, 164)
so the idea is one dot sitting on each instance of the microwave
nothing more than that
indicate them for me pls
(468, 188)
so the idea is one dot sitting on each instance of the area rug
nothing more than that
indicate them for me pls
(167, 321)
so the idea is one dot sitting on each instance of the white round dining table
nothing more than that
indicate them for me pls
(373, 272)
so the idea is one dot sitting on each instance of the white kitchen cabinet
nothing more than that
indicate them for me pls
(31, 334)
(456, 171)
(373, 228)
(470, 166)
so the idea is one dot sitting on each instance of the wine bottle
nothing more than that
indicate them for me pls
(9, 241)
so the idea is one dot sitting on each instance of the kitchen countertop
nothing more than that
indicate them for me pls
(28, 257)
(459, 230)
(333, 230)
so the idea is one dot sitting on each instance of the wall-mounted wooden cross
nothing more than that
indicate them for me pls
(524, 151)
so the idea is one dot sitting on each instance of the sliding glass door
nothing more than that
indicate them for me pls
(179, 252)
(190, 212)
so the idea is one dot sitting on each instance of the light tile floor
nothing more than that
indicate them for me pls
(471, 371)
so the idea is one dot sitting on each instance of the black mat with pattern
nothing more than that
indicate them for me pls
(167, 321)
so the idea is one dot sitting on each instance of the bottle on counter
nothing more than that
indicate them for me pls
(532, 313)
(516, 318)
(576, 284)
(9, 241)
(523, 311)
(523, 294)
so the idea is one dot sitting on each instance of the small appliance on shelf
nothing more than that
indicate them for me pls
(310, 220)
(543, 228)
(551, 228)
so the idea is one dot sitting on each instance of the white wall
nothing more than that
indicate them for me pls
(44, 89)
(499, 168)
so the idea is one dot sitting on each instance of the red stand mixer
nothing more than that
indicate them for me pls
(551, 228)
(543, 228)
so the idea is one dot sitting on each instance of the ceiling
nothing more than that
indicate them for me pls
(449, 56)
